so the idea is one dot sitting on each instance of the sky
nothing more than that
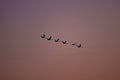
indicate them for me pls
(93, 23)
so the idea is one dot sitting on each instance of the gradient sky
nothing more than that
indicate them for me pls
(25, 56)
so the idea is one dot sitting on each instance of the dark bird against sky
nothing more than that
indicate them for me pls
(43, 36)
(64, 42)
(57, 40)
(50, 38)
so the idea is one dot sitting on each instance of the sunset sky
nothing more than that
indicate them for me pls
(93, 23)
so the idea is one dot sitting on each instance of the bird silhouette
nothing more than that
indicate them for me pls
(50, 38)
(57, 40)
(43, 36)
(64, 42)
(79, 45)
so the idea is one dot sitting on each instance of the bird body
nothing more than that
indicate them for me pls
(79, 45)
(64, 42)
(43, 36)
(49, 38)
(57, 40)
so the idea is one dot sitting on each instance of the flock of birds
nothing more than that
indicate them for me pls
(58, 40)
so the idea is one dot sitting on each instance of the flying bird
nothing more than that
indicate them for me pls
(50, 38)
(64, 42)
(57, 40)
(43, 36)
(74, 44)
(79, 45)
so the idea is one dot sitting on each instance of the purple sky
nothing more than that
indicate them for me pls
(25, 56)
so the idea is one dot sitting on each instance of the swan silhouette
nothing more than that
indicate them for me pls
(79, 45)
(64, 42)
(43, 36)
(50, 38)
(57, 40)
